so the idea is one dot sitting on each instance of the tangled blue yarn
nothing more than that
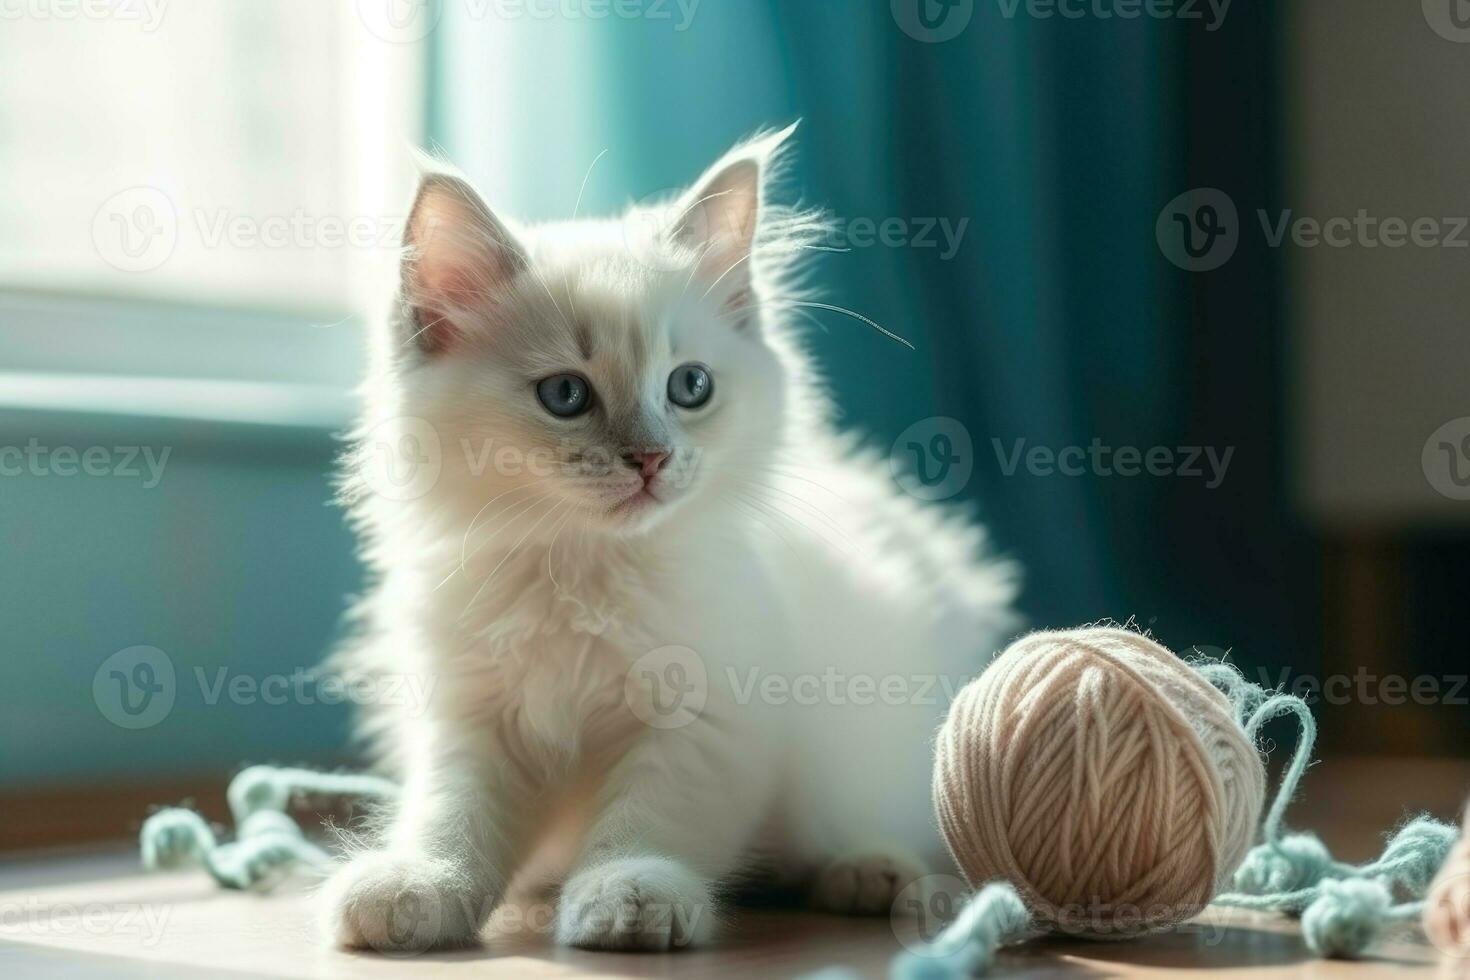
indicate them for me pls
(1346, 916)
(1415, 854)
(1347, 911)
(267, 840)
(1294, 862)
(1344, 907)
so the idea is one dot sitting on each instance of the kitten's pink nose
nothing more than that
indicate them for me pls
(647, 463)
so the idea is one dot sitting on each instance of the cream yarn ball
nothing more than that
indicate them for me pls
(1101, 776)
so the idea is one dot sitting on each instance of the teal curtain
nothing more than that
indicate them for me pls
(1057, 321)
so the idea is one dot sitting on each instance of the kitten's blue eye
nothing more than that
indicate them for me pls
(565, 395)
(690, 385)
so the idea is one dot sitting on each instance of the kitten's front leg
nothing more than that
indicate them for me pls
(676, 816)
(442, 868)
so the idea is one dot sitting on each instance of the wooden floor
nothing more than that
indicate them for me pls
(87, 916)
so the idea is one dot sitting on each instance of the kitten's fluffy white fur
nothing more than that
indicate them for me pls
(608, 652)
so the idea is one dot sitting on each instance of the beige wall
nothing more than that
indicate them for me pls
(1378, 119)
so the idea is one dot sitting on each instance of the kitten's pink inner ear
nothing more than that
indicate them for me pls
(719, 220)
(460, 260)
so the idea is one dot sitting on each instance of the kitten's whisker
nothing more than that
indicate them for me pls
(463, 566)
(474, 520)
(513, 549)
(694, 268)
(765, 508)
(852, 313)
(464, 542)
(578, 207)
(524, 507)
(842, 546)
(805, 505)
(512, 514)
(756, 516)
(586, 177)
(812, 320)
(556, 586)
(531, 266)
(737, 310)
(781, 515)
(684, 212)
(827, 490)
(542, 280)
(744, 258)
(423, 330)
(788, 470)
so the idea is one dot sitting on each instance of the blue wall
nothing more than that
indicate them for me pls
(235, 560)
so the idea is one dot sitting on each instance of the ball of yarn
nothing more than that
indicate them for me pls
(1101, 776)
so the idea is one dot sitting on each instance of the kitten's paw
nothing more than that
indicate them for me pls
(864, 882)
(400, 904)
(646, 903)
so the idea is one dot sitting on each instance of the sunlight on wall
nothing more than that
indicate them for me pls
(518, 113)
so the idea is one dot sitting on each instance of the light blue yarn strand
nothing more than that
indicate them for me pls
(1271, 708)
(271, 788)
(1242, 694)
(966, 948)
(267, 841)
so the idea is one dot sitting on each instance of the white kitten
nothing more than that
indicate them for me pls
(646, 573)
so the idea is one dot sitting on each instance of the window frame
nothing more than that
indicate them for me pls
(158, 356)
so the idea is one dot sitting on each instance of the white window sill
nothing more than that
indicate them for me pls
(276, 404)
(131, 360)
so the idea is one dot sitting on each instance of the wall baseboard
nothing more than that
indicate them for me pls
(46, 817)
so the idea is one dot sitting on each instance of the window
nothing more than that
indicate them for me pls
(256, 160)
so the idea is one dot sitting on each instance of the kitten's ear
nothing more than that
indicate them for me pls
(719, 216)
(458, 259)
